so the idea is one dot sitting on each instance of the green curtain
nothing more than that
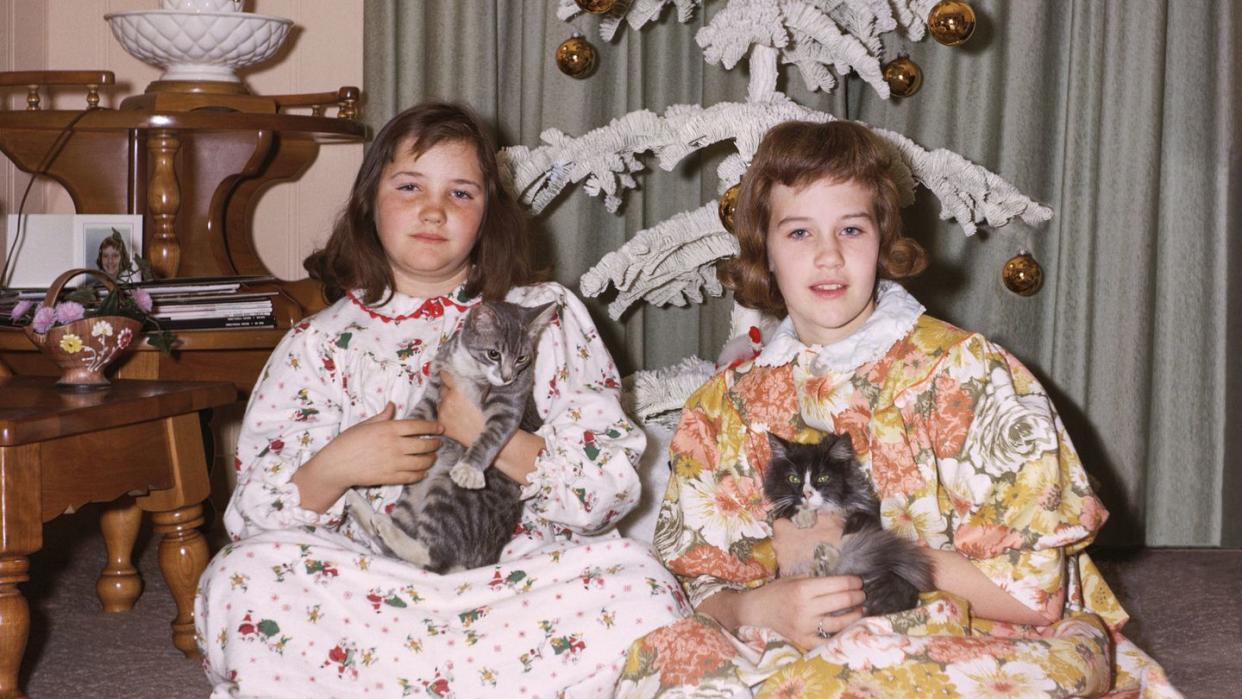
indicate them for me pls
(1120, 115)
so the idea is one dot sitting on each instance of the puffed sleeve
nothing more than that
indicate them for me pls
(585, 477)
(712, 530)
(294, 411)
(1020, 502)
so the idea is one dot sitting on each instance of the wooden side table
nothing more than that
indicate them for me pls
(137, 443)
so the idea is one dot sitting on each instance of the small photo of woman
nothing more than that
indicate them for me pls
(105, 248)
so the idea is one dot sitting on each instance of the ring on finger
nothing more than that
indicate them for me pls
(819, 629)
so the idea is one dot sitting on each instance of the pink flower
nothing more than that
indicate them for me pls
(20, 309)
(143, 299)
(123, 340)
(69, 311)
(43, 320)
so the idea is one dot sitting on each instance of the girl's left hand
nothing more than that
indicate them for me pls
(462, 419)
(795, 547)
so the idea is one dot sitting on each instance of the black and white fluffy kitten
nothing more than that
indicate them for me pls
(464, 512)
(805, 480)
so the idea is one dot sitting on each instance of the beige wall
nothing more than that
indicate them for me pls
(292, 218)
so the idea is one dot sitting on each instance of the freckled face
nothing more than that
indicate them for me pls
(823, 248)
(428, 210)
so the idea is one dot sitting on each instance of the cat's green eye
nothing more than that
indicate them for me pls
(822, 479)
(493, 355)
(522, 359)
(793, 478)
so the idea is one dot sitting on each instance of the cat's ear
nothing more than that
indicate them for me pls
(483, 316)
(778, 446)
(842, 448)
(541, 316)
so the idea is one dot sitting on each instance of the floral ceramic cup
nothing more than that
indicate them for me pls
(84, 348)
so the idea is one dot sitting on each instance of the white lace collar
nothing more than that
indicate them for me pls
(896, 312)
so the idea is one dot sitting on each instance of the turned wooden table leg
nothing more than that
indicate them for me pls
(183, 556)
(119, 585)
(14, 622)
(21, 534)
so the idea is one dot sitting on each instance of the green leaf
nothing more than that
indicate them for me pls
(84, 295)
(163, 340)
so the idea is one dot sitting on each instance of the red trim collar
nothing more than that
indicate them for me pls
(431, 308)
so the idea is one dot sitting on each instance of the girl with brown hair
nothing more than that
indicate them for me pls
(302, 604)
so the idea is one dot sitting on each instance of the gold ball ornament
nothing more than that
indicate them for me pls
(904, 76)
(597, 7)
(576, 57)
(951, 22)
(728, 205)
(1023, 275)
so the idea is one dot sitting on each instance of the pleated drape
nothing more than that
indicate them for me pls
(1120, 115)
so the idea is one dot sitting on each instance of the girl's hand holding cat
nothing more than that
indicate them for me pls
(461, 418)
(797, 608)
(806, 610)
(377, 451)
(463, 421)
(795, 547)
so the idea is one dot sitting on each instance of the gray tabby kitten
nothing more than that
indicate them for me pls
(463, 513)
(803, 480)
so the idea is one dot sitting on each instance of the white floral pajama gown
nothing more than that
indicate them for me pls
(299, 606)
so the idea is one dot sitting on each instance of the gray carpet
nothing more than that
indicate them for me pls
(1185, 609)
(75, 649)
(1185, 603)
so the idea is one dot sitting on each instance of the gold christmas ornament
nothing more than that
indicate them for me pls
(1023, 275)
(951, 22)
(728, 204)
(904, 77)
(597, 7)
(576, 57)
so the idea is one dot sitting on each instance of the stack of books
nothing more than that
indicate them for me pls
(212, 303)
(193, 303)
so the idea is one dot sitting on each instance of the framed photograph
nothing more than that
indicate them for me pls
(36, 249)
(107, 242)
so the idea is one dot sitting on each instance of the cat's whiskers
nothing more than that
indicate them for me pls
(783, 504)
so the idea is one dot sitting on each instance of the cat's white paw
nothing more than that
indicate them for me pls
(805, 518)
(403, 545)
(467, 476)
(360, 510)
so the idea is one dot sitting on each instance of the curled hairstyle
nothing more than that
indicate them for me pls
(354, 257)
(796, 154)
(115, 242)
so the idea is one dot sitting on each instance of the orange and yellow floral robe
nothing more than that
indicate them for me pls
(966, 453)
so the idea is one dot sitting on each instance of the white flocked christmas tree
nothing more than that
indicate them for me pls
(673, 262)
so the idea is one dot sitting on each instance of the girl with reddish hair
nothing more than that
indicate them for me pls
(962, 445)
